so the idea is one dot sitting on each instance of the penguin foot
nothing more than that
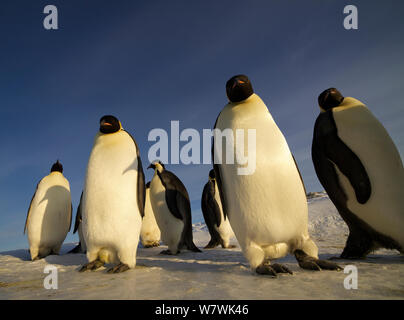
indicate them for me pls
(346, 258)
(168, 252)
(94, 265)
(267, 268)
(279, 268)
(152, 245)
(311, 263)
(122, 267)
(212, 244)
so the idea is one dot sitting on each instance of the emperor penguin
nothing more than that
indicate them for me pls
(49, 215)
(218, 225)
(360, 168)
(150, 233)
(267, 207)
(172, 208)
(113, 199)
(78, 226)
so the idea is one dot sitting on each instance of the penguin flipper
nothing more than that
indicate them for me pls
(178, 203)
(301, 178)
(141, 189)
(71, 216)
(176, 195)
(209, 214)
(218, 175)
(30, 207)
(78, 215)
(213, 205)
(328, 146)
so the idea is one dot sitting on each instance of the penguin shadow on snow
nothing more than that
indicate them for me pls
(49, 217)
(212, 260)
(374, 258)
(22, 254)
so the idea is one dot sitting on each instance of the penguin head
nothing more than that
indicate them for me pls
(239, 88)
(109, 124)
(157, 165)
(148, 185)
(57, 167)
(212, 175)
(329, 99)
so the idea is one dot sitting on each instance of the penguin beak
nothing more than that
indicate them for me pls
(106, 124)
(237, 82)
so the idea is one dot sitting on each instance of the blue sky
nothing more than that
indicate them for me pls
(152, 62)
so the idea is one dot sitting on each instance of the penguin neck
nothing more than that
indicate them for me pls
(250, 99)
(348, 103)
(253, 106)
(157, 171)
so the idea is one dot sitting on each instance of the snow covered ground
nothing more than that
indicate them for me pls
(212, 274)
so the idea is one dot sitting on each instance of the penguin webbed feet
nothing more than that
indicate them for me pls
(311, 263)
(151, 245)
(92, 266)
(122, 267)
(168, 252)
(266, 268)
(212, 244)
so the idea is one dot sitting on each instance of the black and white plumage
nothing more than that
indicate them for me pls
(113, 199)
(172, 209)
(49, 215)
(266, 206)
(218, 225)
(360, 168)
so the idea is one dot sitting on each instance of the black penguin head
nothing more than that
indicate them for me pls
(148, 185)
(156, 164)
(330, 98)
(109, 124)
(212, 175)
(239, 88)
(57, 167)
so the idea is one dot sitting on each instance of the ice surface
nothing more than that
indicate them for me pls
(212, 274)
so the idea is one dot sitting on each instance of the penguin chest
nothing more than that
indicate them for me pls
(268, 205)
(368, 139)
(171, 228)
(110, 210)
